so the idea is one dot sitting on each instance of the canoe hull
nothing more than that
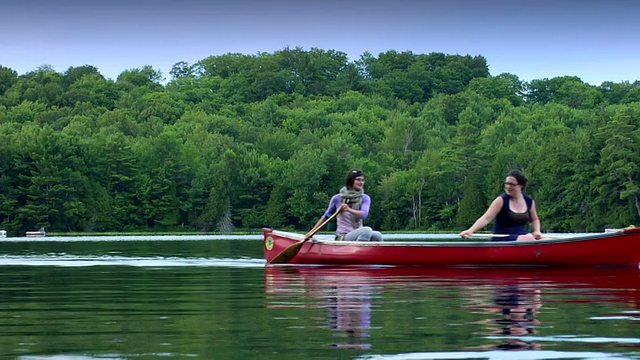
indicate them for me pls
(608, 249)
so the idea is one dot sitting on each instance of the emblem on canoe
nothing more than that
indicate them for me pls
(268, 243)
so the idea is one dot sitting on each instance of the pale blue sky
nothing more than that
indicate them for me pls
(594, 40)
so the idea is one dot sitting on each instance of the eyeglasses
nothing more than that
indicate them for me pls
(511, 184)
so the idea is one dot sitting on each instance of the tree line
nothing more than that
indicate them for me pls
(246, 141)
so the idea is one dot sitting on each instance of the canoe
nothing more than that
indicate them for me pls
(619, 248)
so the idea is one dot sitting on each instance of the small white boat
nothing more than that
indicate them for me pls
(38, 233)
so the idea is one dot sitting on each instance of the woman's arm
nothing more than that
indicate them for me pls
(486, 218)
(334, 203)
(364, 208)
(535, 222)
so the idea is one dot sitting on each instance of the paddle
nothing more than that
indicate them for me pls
(287, 254)
(489, 235)
(505, 235)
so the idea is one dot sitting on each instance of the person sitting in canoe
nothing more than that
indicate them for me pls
(512, 210)
(355, 206)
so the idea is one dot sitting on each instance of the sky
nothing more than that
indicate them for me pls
(596, 41)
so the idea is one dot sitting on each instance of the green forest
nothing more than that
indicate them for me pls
(240, 142)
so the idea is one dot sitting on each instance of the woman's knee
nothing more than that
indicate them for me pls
(364, 233)
(368, 234)
(376, 236)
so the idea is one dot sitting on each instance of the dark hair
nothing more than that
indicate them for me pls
(351, 177)
(519, 176)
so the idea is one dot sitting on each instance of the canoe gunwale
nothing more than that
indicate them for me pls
(555, 240)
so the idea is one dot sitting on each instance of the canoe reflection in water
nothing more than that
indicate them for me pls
(502, 306)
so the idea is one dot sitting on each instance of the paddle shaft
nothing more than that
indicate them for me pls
(489, 235)
(321, 225)
(505, 235)
(287, 254)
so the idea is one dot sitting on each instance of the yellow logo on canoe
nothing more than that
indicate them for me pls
(268, 243)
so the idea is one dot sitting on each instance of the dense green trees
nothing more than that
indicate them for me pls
(245, 141)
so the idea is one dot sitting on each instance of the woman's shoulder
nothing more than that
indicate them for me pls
(500, 200)
(528, 199)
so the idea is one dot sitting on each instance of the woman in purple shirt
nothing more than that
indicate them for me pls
(355, 208)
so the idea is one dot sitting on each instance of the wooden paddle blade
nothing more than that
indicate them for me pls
(287, 254)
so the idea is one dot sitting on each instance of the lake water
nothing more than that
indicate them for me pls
(211, 297)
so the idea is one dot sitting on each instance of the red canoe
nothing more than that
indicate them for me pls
(620, 248)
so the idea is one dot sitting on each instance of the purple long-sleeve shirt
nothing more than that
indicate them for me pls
(343, 223)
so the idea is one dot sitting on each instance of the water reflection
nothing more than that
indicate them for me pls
(512, 315)
(344, 296)
(349, 314)
(517, 306)
(500, 309)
